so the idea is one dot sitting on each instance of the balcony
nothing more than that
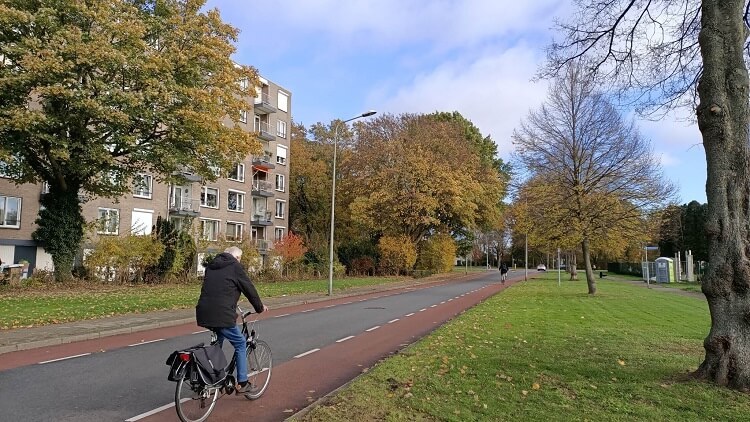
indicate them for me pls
(262, 245)
(261, 218)
(184, 206)
(262, 188)
(264, 131)
(263, 104)
(263, 161)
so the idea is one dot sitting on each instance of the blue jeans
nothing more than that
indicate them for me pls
(235, 337)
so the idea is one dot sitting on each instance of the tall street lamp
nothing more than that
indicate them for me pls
(333, 195)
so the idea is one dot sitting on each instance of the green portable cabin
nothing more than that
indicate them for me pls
(665, 272)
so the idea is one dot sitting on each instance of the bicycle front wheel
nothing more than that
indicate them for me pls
(259, 365)
(194, 402)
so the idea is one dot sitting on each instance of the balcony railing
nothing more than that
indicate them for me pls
(262, 244)
(264, 160)
(261, 218)
(262, 188)
(184, 206)
(264, 131)
(263, 104)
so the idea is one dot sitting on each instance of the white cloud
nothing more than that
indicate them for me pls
(493, 91)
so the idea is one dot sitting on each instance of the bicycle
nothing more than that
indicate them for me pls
(195, 399)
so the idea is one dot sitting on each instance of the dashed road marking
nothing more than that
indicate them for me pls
(199, 332)
(409, 314)
(433, 306)
(152, 412)
(282, 315)
(423, 309)
(344, 339)
(393, 320)
(65, 358)
(306, 310)
(373, 328)
(145, 342)
(306, 353)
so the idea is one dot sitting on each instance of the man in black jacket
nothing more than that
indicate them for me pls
(217, 306)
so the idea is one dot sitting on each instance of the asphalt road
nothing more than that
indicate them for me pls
(121, 381)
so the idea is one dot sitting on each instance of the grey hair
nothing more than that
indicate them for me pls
(234, 251)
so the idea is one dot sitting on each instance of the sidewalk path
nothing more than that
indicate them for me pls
(55, 334)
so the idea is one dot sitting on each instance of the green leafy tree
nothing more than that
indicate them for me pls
(94, 92)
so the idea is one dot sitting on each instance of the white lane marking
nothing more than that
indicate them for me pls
(145, 342)
(346, 303)
(442, 302)
(423, 309)
(282, 315)
(330, 306)
(450, 300)
(152, 412)
(392, 321)
(200, 332)
(65, 358)
(306, 353)
(409, 314)
(361, 300)
(307, 310)
(344, 339)
(373, 328)
(433, 306)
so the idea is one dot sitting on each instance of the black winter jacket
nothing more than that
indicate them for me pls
(224, 280)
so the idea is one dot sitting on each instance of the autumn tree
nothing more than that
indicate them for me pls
(94, 92)
(418, 174)
(665, 52)
(291, 248)
(592, 165)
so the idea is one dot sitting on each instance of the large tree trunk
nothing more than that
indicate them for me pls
(60, 229)
(590, 280)
(723, 121)
(573, 264)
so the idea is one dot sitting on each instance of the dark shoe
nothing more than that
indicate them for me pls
(244, 388)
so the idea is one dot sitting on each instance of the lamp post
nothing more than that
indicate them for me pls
(333, 195)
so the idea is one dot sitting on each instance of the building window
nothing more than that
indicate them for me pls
(143, 186)
(281, 128)
(10, 211)
(235, 201)
(209, 197)
(280, 155)
(280, 182)
(237, 173)
(280, 205)
(243, 116)
(142, 221)
(209, 230)
(283, 101)
(109, 221)
(278, 233)
(235, 231)
(244, 83)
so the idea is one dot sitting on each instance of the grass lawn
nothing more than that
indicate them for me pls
(39, 305)
(685, 285)
(537, 352)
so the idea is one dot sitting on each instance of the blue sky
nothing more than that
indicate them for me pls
(340, 58)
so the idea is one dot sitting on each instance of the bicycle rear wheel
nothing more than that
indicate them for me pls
(194, 402)
(259, 365)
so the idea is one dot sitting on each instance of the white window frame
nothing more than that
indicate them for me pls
(237, 172)
(3, 215)
(243, 116)
(240, 194)
(281, 158)
(283, 208)
(236, 224)
(150, 187)
(204, 197)
(217, 226)
(104, 221)
(146, 229)
(280, 187)
(276, 232)
(281, 128)
(244, 83)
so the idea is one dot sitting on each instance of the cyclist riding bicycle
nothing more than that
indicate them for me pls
(223, 282)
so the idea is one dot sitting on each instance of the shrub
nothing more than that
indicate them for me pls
(397, 255)
(437, 254)
(364, 265)
(123, 258)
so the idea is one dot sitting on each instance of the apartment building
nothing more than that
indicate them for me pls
(250, 202)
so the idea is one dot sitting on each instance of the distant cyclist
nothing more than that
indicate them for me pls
(225, 279)
(503, 272)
